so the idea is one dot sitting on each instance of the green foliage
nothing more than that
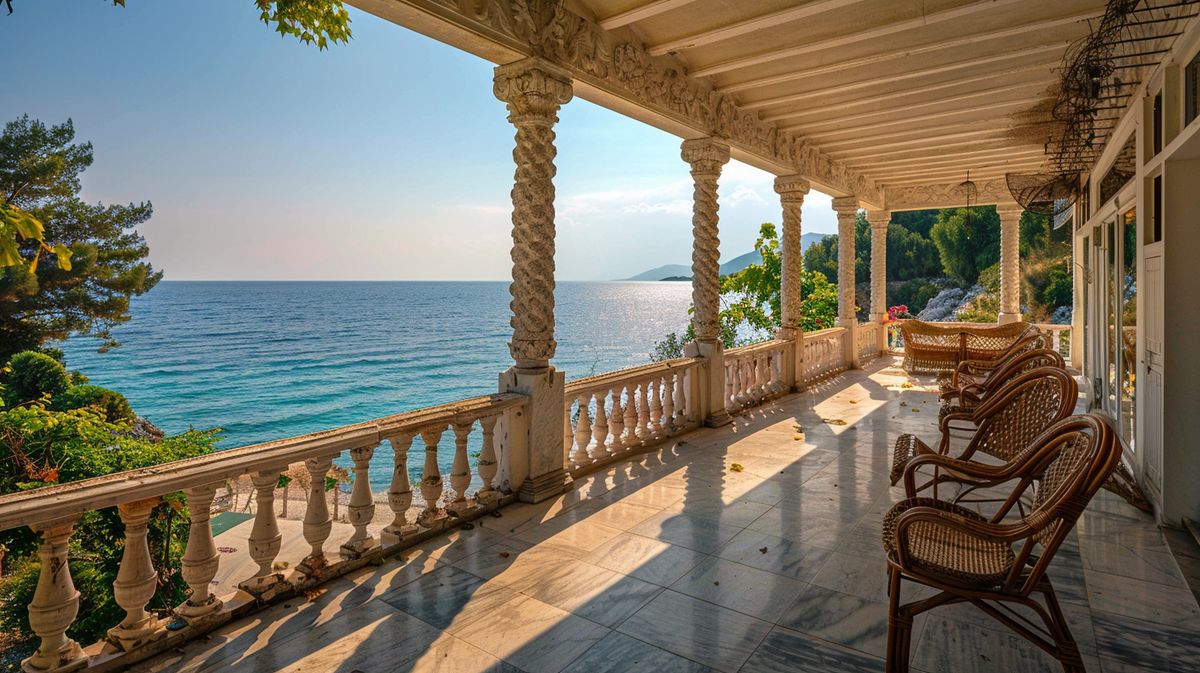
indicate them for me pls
(41, 446)
(669, 348)
(968, 241)
(914, 294)
(316, 22)
(111, 404)
(910, 254)
(1059, 288)
(31, 375)
(822, 257)
(39, 173)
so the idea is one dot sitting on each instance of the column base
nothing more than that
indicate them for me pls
(266, 587)
(543, 487)
(1006, 318)
(199, 614)
(358, 548)
(129, 638)
(69, 657)
(718, 419)
(392, 535)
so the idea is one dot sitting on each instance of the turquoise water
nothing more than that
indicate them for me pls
(267, 360)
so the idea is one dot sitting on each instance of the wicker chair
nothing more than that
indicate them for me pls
(992, 562)
(936, 349)
(973, 372)
(970, 395)
(1006, 422)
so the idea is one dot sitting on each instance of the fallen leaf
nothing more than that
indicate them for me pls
(916, 410)
(280, 565)
(762, 550)
(904, 404)
(716, 584)
(906, 384)
(799, 437)
(853, 401)
(736, 467)
(504, 554)
(833, 421)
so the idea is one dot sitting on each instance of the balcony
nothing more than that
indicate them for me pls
(749, 547)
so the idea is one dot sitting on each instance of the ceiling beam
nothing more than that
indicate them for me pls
(931, 151)
(858, 102)
(873, 33)
(951, 158)
(641, 12)
(851, 145)
(979, 126)
(970, 39)
(855, 86)
(947, 172)
(749, 25)
(842, 128)
(961, 176)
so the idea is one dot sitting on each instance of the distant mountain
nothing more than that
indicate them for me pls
(684, 271)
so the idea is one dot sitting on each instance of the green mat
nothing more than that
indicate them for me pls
(226, 520)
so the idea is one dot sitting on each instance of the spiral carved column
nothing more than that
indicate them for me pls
(706, 156)
(1010, 262)
(533, 90)
(791, 190)
(847, 213)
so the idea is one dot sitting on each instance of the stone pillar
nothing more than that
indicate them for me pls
(534, 90)
(55, 602)
(1010, 262)
(879, 220)
(847, 212)
(791, 190)
(706, 156)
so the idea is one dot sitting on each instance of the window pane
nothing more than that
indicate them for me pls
(1128, 325)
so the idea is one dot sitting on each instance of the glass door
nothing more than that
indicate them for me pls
(1127, 307)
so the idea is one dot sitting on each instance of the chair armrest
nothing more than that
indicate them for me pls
(979, 473)
(1000, 532)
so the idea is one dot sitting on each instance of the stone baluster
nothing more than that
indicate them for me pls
(55, 602)
(137, 579)
(731, 371)
(705, 157)
(643, 426)
(616, 422)
(431, 480)
(600, 425)
(1010, 262)
(361, 510)
(488, 496)
(400, 495)
(681, 408)
(654, 389)
(317, 524)
(200, 560)
(631, 415)
(668, 410)
(583, 431)
(265, 539)
(460, 470)
(847, 215)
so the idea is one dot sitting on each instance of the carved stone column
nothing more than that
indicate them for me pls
(879, 220)
(265, 540)
(55, 602)
(317, 523)
(791, 190)
(361, 510)
(136, 580)
(847, 213)
(534, 90)
(200, 560)
(706, 156)
(1010, 261)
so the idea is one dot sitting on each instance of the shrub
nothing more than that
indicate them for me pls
(915, 293)
(31, 375)
(112, 404)
(1059, 288)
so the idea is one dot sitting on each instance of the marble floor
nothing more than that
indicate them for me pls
(751, 548)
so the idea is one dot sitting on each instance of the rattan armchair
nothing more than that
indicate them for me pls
(969, 372)
(1005, 423)
(967, 397)
(995, 561)
(935, 349)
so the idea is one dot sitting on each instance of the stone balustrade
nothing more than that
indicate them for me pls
(613, 414)
(53, 512)
(824, 354)
(868, 339)
(1058, 337)
(754, 374)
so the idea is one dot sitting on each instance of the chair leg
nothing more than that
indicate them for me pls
(1056, 622)
(899, 627)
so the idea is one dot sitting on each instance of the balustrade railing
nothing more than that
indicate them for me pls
(614, 414)
(754, 374)
(823, 354)
(53, 512)
(895, 338)
(867, 335)
(1058, 337)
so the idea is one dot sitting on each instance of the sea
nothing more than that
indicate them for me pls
(270, 360)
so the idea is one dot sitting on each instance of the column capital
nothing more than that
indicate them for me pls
(705, 155)
(532, 88)
(845, 205)
(792, 188)
(1009, 210)
(879, 219)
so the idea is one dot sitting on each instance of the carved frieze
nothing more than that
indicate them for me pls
(947, 195)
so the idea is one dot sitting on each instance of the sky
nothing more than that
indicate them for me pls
(385, 158)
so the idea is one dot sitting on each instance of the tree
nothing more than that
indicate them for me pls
(39, 174)
(968, 241)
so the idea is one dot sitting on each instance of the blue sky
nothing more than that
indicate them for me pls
(387, 158)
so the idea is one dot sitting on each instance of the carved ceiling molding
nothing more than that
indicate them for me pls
(548, 30)
(949, 195)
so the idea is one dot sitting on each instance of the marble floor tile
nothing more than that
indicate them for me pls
(751, 591)
(514, 566)
(576, 539)
(533, 636)
(844, 619)
(701, 534)
(709, 634)
(737, 513)
(808, 529)
(448, 598)
(619, 653)
(786, 651)
(862, 576)
(1144, 600)
(645, 558)
(775, 554)
(1135, 642)
(592, 592)
(948, 645)
(1151, 564)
